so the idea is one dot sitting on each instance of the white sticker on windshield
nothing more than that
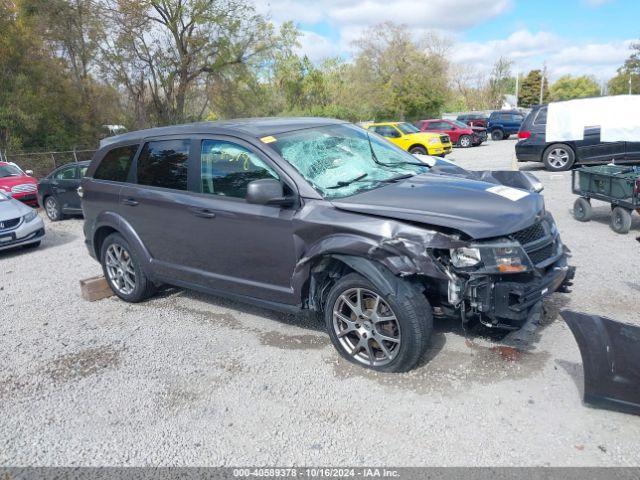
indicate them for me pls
(512, 194)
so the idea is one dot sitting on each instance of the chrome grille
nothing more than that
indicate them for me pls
(9, 224)
(25, 188)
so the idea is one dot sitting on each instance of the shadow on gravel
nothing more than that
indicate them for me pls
(272, 338)
(52, 239)
(602, 215)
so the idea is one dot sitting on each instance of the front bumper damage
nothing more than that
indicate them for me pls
(502, 303)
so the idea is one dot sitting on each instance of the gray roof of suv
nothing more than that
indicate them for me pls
(253, 127)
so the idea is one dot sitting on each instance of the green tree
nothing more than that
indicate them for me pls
(568, 87)
(529, 94)
(395, 78)
(628, 75)
(500, 83)
(195, 42)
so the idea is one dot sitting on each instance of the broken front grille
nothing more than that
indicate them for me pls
(530, 234)
(539, 256)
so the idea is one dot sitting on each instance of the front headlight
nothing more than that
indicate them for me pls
(434, 140)
(29, 217)
(465, 257)
(507, 259)
(504, 257)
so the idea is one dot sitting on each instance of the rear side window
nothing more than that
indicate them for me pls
(115, 164)
(541, 117)
(164, 164)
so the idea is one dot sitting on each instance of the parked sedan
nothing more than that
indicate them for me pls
(558, 156)
(20, 225)
(20, 184)
(58, 191)
(460, 133)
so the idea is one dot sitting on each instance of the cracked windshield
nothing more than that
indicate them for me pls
(339, 160)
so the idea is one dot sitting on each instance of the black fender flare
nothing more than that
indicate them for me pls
(114, 221)
(375, 272)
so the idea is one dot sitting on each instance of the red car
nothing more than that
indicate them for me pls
(461, 134)
(19, 184)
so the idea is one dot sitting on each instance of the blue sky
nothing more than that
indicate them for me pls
(569, 36)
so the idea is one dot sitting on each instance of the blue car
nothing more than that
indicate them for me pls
(504, 123)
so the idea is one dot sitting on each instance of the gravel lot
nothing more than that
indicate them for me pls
(189, 379)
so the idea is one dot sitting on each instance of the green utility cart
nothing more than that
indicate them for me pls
(614, 184)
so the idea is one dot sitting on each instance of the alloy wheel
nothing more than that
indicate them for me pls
(51, 208)
(558, 158)
(465, 142)
(120, 269)
(366, 327)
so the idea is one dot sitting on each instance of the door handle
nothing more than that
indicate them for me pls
(132, 202)
(203, 212)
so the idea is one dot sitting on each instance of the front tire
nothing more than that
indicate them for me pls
(418, 150)
(582, 210)
(497, 135)
(465, 141)
(558, 157)
(53, 209)
(386, 333)
(122, 270)
(621, 220)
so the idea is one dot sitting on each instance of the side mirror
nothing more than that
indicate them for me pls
(29, 172)
(267, 191)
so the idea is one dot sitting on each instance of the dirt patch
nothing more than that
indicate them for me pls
(454, 370)
(74, 366)
(293, 342)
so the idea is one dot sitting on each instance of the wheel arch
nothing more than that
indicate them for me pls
(110, 222)
(326, 270)
(421, 145)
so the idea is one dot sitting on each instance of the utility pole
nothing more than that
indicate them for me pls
(629, 83)
(517, 86)
(542, 77)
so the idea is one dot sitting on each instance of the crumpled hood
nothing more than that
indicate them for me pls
(479, 209)
(11, 208)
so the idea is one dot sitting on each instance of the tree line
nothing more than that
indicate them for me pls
(68, 68)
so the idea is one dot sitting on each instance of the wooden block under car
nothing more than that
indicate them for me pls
(95, 288)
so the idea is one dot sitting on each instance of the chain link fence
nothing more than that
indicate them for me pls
(44, 162)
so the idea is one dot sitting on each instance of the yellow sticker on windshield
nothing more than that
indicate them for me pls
(268, 139)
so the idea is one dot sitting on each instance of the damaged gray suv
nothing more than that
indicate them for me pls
(315, 214)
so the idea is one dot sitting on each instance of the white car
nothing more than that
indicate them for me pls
(20, 225)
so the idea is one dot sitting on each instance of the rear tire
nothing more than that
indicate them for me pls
(53, 209)
(558, 157)
(353, 315)
(418, 150)
(497, 135)
(582, 210)
(620, 220)
(465, 141)
(122, 270)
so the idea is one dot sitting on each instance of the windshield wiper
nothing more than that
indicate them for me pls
(404, 162)
(345, 183)
(398, 178)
